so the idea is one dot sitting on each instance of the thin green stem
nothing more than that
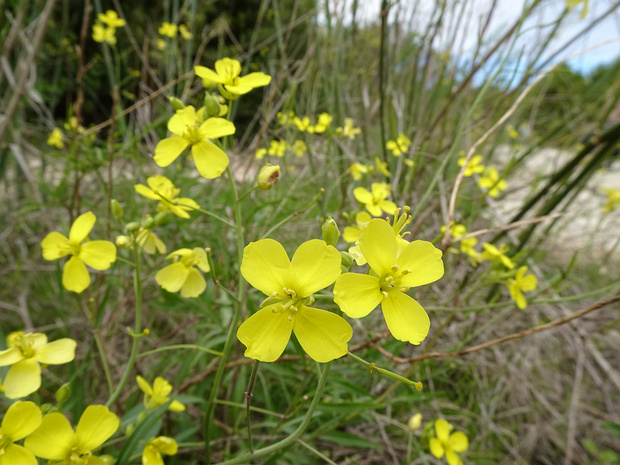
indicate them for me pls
(248, 401)
(373, 367)
(316, 452)
(204, 212)
(104, 361)
(178, 347)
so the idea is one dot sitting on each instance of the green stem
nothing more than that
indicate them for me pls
(373, 367)
(270, 450)
(248, 400)
(137, 288)
(104, 361)
(179, 346)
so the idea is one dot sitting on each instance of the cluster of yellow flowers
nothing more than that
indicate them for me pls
(303, 123)
(399, 146)
(489, 177)
(104, 30)
(278, 148)
(357, 170)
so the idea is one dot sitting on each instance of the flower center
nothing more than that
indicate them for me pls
(287, 301)
(24, 343)
(75, 458)
(392, 279)
(5, 441)
(192, 134)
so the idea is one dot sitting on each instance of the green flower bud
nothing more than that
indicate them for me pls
(130, 429)
(346, 260)
(330, 231)
(161, 218)
(212, 106)
(268, 176)
(176, 103)
(107, 459)
(117, 210)
(63, 393)
(148, 223)
(123, 242)
(132, 227)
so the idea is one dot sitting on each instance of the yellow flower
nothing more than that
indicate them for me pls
(613, 198)
(474, 165)
(520, 284)
(185, 32)
(456, 230)
(151, 455)
(512, 132)
(277, 148)
(20, 420)
(348, 130)
(303, 124)
(356, 170)
(399, 146)
(375, 201)
(24, 354)
(182, 274)
(325, 120)
(289, 285)
(110, 18)
(393, 273)
(149, 242)
(268, 176)
(382, 167)
(260, 154)
(55, 139)
(285, 118)
(104, 34)
(161, 188)
(490, 180)
(448, 444)
(493, 253)
(299, 147)
(467, 247)
(97, 254)
(188, 129)
(158, 394)
(56, 440)
(226, 76)
(168, 30)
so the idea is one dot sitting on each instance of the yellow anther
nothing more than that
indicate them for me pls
(395, 268)
(406, 271)
(385, 294)
(389, 279)
(293, 309)
(290, 318)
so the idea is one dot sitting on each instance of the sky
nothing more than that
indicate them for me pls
(506, 12)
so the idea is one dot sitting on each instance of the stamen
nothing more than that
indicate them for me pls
(389, 279)
(290, 318)
(406, 271)
(293, 309)
(395, 268)
(385, 294)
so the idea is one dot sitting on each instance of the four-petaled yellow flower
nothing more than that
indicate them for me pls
(323, 122)
(357, 169)
(25, 353)
(382, 167)
(289, 285)
(21, 419)
(110, 18)
(277, 148)
(226, 76)
(185, 33)
(56, 440)
(376, 201)
(158, 394)
(161, 188)
(299, 147)
(168, 30)
(493, 253)
(490, 180)
(448, 444)
(613, 198)
(102, 34)
(97, 254)
(521, 283)
(189, 129)
(182, 274)
(348, 130)
(399, 146)
(149, 242)
(55, 139)
(393, 273)
(474, 165)
(151, 455)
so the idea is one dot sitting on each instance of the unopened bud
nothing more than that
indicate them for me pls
(212, 106)
(107, 459)
(132, 227)
(414, 422)
(160, 218)
(63, 393)
(176, 103)
(268, 176)
(330, 231)
(123, 242)
(117, 210)
(148, 223)
(346, 259)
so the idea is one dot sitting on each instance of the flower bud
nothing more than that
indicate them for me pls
(176, 103)
(123, 242)
(63, 393)
(132, 227)
(212, 106)
(148, 223)
(268, 176)
(330, 231)
(107, 459)
(415, 422)
(346, 259)
(117, 210)
(161, 218)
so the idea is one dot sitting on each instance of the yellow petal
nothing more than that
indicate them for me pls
(314, 266)
(98, 254)
(442, 430)
(323, 335)
(378, 244)
(169, 149)
(216, 127)
(56, 352)
(82, 226)
(151, 456)
(10, 356)
(54, 246)
(144, 385)
(388, 206)
(180, 121)
(146, 192)
(23, 378)
(264, 265)
(362, 195)
(165, 445)
(405, 318)
(194, 284)
(357, 294)
(254, 80)
(75, 276)
(161, 386)
(350, 234)
(436, 447)
(208, 75)
(15, 454)
(265, 334)
(21, 419)
(424, 261)
(53, 440)
(228, 69)
(176, 406)
(172, 277)
(459, 441)
(211, 161)
(452, 458)
(95, 427)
